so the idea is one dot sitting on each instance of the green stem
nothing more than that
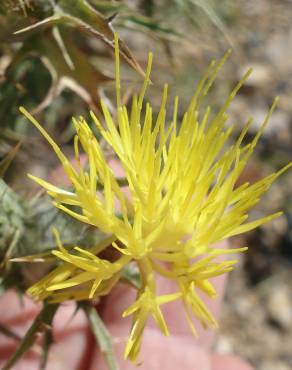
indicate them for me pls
(102, 336)
(146, 271)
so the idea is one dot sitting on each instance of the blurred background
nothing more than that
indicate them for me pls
(56, 59)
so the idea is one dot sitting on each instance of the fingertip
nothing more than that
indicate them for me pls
(157, 352)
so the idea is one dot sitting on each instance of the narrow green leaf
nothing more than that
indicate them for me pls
(9, 333)
(102, 336)
(131, 276)
(207, 7)
(40, 324)
(47, 342)
(79, 14)
(151, 25)
(5, 163)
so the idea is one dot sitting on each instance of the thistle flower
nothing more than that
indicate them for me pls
(182, 200)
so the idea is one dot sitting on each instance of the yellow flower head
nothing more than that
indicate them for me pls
(182, 200)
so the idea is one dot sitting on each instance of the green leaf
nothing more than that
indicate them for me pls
(5, 163)
(102, 336)
(41, 323)
(152, 25)
(69, 67)
(79, 14)
(46, 345)
(9, 333)
(208, 8)
(131, 275)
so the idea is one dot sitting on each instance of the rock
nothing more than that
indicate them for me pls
(274, 232)
(274, 365)
(279, 307)
(262, 74)
(223, 345)
(276, 48)
(279, 123)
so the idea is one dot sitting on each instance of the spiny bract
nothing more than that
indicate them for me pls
(182, 199)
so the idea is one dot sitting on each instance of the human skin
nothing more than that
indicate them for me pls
(74, 347)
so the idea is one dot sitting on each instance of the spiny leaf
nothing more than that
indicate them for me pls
(80, 76)
(100, 26)
(14, 15)
(79, 14)
(102, 336)
(9, 333)
(47, 342)
(151, 25)
(106, 6)
(39, 325)
(5, 163)
(208, 8)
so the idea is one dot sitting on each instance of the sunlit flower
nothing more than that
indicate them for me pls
(182, 200)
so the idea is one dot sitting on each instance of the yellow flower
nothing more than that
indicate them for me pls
(183, 199)
(147, 303)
